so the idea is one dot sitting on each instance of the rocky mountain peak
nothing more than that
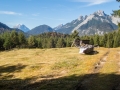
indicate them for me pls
(80, 18)
(100, 13)
(86, 16)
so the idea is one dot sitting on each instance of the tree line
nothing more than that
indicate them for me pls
(10, 40)
(108, 40)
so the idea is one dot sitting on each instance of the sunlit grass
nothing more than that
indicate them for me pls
(111, 65)
(53, 63)
(108, 76)
(42, 61)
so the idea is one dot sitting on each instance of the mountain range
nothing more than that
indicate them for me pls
(96, 23)
(4, 28)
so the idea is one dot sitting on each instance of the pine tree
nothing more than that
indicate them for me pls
(91, 41)
(50, 43)
(60, 43)
(55, 41)
(116, 41)
(39, 43)
(44, 43)
(1, 42)
(109, 40)
(7, 41)
(22, 39)
(68, 42)
(96, 40)
(7, 44)
(14, 38)
(104, 40)
(31, 42)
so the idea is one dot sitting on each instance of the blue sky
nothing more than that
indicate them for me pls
(33, 13)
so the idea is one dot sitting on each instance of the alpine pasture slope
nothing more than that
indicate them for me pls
(59, 69)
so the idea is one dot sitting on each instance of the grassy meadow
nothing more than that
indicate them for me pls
(58, 69)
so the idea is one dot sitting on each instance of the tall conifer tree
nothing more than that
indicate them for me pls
(14, 38)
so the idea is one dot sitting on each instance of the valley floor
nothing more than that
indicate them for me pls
(60, 69)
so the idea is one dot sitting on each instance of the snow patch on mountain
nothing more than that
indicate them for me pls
(22, 27)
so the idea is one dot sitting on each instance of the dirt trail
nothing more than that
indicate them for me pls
(100, 64)
(82, 84)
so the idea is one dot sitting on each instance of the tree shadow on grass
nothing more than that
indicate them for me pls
(6, 71)
(73, 82)
(11, 68)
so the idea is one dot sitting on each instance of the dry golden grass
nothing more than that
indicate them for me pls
(53, 64)
(109, 76)
(43, 61)
(111, 65)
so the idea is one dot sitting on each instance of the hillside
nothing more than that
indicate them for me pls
(40, 29)
(59, 69)
(3, 27)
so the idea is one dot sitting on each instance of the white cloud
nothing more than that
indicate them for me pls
(93, 2)
(9, 13)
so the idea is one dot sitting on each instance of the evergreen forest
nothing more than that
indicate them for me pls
(10, 40)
